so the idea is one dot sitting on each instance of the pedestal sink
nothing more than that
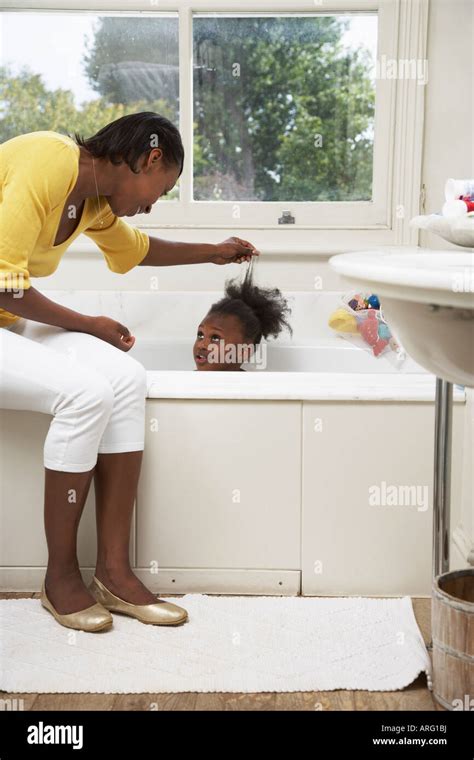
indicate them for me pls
(427, 297)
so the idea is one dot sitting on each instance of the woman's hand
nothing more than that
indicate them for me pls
(234, 250)
(111, 331)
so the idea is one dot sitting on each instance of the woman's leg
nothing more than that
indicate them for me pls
(65, 494)
(119, 457)
(33, 377)
(116, 480)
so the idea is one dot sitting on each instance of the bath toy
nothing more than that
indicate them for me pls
(456, 208)
(357, 303)
(379, 346)
(384, 331)
(459, 188)
(369, 331)
(395, 346)
(361, 321)
(342, 321)
(373, 302)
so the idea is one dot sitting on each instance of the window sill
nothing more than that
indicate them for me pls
(292, 243)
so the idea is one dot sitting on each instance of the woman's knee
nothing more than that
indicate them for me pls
(91, 394)
(134, 376)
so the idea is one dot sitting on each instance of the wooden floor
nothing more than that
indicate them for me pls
(414, 697)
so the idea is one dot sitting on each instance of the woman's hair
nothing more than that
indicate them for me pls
(262, 311)
(130, 136)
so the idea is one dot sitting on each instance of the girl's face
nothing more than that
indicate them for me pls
(217, 343)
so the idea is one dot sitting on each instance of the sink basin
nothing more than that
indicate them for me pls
(427, 297)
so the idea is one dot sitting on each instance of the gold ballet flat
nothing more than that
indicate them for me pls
(161, 613)
(92, 619)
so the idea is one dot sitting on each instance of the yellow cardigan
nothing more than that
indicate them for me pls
(38, 171)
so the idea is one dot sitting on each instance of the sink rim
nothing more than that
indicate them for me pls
(423, 279)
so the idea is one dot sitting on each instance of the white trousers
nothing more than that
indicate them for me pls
(95, 392)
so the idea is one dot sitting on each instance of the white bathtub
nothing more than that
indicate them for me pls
(315, 364)
(281, 356)
(291, 372)
(255, 482)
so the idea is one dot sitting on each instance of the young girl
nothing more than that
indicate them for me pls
(234, 326)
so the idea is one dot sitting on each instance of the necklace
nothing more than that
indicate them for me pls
(97, 191)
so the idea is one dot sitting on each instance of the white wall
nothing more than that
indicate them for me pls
(449, 105)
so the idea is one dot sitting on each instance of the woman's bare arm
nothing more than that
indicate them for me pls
(34, 305)
(162, 253)
(31, 304)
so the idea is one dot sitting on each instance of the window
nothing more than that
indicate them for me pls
(288, 124)
(101, 66)
(284, 107)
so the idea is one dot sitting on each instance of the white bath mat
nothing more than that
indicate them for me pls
(229, 644)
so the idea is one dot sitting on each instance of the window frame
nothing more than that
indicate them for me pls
(397, 158)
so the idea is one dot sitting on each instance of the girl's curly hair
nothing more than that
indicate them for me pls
(262, 311)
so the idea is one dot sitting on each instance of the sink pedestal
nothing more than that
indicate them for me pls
(442, 476)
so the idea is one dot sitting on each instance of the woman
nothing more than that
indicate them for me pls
(74, 366)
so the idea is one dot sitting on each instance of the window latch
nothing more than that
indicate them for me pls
(286, 218)
(423, 198)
